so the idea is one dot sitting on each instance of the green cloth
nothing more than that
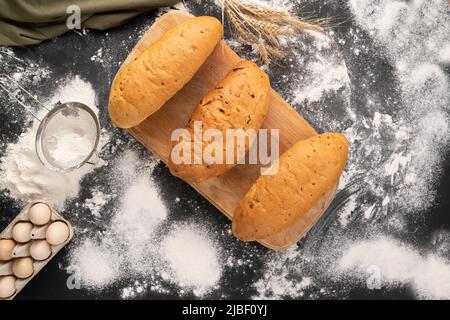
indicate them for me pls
(24, 22)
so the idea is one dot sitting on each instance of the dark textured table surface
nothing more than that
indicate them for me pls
(71, 54)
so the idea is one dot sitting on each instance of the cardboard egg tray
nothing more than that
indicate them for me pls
(23, 249)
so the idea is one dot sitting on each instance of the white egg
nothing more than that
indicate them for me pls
(23, 267)
(22, 231)
(40, 250)
(40, 214)
(57, 233)
(7, 286)
(6, 249)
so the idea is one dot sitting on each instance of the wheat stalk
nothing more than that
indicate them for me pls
(261, 25)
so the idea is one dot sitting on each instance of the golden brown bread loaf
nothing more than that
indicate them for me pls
(240, 101)
(145, 85)
(307, 171)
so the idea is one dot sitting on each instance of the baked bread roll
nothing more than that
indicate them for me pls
(145, 85)
(240, 101)
(307, 171)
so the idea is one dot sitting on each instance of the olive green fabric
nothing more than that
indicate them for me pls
(24, 22)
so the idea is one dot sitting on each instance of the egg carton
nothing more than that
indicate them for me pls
(22, 250)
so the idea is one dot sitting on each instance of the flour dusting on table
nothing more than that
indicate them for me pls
(279, 281)
(381, 78)
(97, 202)
(74, 89)
(394, 263)
(96, 264)
(412, 35)
(139, 250)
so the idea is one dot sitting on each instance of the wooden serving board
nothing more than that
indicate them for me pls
(225, 191)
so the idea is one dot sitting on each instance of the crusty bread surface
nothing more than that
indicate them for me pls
(308, 170)
(239, 101)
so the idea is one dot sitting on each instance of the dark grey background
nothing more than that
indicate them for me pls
(71, 53)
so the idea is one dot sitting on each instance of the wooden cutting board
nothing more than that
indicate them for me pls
(225, 191)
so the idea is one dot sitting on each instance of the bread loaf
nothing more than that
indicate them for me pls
(240, 101)
(145, 85)
(307, 171)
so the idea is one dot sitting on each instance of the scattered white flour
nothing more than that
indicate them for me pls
(396, 263)
(279, 281)
(397, 146)
(97, 57)
(136, 289)
(24, 175)
(75, 90)
(97, 202)
(127, 241)
(69, 147)
(192, 258)
(96, 263)
(415, 36)
(138, 247)
(324, 72)
(135, 224)
(395, 162)
(27, 179)
(349, 207)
